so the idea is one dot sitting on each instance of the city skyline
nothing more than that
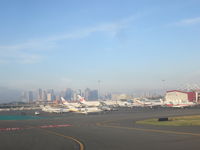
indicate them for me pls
(127, 45)
(68, 94)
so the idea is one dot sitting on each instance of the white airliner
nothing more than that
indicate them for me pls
(89, 110)
(53, 109)
(110, 103)
(181, 105)
(83, 107)
(66, 103)
(88, 103)
(73, 107)
(149, 103)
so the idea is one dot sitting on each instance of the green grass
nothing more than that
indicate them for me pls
(174, 121)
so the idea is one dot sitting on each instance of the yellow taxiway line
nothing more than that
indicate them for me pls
(81, 146)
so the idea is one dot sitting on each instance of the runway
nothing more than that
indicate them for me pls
(108, 131)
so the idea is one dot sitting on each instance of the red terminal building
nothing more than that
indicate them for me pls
(180, 97)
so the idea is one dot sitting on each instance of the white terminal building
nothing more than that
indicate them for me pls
(182, 97)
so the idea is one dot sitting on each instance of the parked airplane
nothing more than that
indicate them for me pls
(66, 103)
(89, 110)
(53, 109)
(88, 103)
(106, 108)
(149, 103)
(181, 105)
(110, 103)
(86, 107)
(82, 107)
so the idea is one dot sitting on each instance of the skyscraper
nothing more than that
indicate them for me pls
(30, 96)
(39, 95)
(87, 94)
(44, 95)
(76, 93)
(24, 96)
(68, 94)
(93, 95)
(50, 95)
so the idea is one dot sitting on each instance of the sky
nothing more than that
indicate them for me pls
(126, 44)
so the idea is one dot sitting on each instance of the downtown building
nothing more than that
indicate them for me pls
(91, 95)
(50, 95)
(30, 96)
(68, 94)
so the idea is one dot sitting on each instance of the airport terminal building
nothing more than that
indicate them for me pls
(180, 97)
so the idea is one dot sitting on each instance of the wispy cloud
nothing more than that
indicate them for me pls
(189, 21)
(109, 28)
(21, 58)
(29, 58)
(22, 51)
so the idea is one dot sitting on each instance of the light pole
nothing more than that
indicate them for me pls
(99, 89)
(163, 81)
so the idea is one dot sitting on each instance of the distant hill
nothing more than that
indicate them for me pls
(9, 95)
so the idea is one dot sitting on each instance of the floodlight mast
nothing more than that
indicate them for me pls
(99, 81)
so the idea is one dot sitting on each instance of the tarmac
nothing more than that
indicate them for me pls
(106, 131)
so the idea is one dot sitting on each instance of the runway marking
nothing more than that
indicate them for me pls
(10, 129)
(146, 130)
(54, 126)
(81, 146)
(44, 126)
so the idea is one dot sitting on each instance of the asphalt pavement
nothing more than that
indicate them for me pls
(115, 130)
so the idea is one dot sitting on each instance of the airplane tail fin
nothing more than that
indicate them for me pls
(81, 99)
(64, 101)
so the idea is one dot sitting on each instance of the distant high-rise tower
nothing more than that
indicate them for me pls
(39, 95)
(93, 95)
(24, 96)
(69, 94)
(44, 95)
(30, 96)
(50, 95)
(87, 94)
(78, 92)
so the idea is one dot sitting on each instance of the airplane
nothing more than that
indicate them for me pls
(181, 105)
(88, 103)
(92, 106)
(106, 108)
(85, 107)
(119, 103)
(149, 103)
(109, 103)
(73, 107)
(89, 110)
(51, 109)
(66, 103)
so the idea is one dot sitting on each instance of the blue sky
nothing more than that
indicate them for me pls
(127, 44)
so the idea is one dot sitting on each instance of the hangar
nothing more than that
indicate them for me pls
(181, 97)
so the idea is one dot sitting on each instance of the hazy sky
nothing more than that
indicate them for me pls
(127, 44)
